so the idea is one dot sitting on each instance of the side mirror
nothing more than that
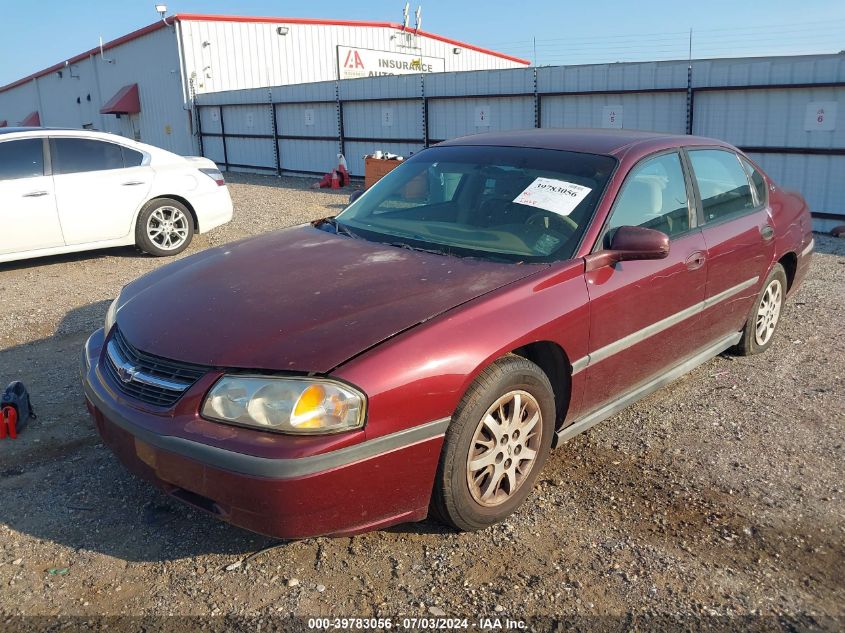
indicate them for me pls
(629, 243)
(355, 195)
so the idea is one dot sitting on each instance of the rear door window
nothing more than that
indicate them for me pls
(23, 158)
(722, 183)
(131, 158)
(77, 155)
(757, 181)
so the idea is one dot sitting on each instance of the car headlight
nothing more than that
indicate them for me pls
(285, 405)
(110, 315)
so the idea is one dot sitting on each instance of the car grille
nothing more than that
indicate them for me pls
(145, 377)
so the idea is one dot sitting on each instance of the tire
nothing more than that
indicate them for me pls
(175, 226)
(474, 498)
(766, 314)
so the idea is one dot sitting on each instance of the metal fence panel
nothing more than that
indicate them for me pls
(383, 119)
(251, 154)
(390, 86)
(210, 120)
(610, 77)
(796, 69)
(449, 118)
(248, 95)
(657, 111)
(302, 156)
(248, 119)
(212, 147)
(318, 91)
(763, 105)
(819, 178)
(767, 118)
(487, 82)
(307, 119)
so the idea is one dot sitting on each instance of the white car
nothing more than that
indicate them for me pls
(63, 191)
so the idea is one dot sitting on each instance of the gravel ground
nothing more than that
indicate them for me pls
(716, 501)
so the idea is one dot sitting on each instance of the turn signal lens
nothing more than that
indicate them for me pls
(111, 313)
(285, 405)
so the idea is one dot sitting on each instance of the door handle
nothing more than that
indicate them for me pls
(36, 194)
(767, 232)
(132, 183)
(695, 260)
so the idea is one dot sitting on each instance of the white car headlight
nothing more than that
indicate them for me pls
(285, 405)
(110, 314)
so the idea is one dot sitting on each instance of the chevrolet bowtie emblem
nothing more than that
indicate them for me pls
(126, 374)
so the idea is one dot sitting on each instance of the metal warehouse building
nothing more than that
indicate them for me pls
(143, 85)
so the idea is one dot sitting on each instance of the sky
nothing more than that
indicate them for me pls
(40, 33)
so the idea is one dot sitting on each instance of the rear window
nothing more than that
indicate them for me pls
(21, 159)
(76, 155)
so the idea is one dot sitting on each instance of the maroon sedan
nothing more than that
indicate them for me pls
(424, 350)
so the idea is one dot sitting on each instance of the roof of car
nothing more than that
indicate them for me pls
(13, 130)
(595, 141)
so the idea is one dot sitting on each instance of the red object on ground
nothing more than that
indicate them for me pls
(343, 174)
(326, 181)
(8, 422)
(335, 180)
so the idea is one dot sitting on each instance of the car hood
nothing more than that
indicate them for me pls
(300, 299)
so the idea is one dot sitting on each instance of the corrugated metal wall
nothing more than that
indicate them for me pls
(234, 55)
(758, 104)
(219, 55)
(74, 99)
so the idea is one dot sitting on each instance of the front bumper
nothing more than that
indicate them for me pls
(367, 485)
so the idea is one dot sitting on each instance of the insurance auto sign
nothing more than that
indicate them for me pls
(353, 63)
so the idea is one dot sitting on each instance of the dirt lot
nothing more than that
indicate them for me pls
(717, 499)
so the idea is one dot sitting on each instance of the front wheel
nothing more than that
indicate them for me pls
(765, 315)
(164, 227)
(496, 446)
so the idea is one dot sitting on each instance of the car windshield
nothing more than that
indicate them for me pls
(511, 203)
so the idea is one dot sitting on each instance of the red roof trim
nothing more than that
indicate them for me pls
(199, 17)
(125, 101)
(155, 26)
(33, 119)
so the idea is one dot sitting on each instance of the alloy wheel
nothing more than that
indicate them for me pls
(168, 228)
(768, 312)
(504, 448)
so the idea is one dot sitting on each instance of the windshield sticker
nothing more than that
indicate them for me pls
(557, 196)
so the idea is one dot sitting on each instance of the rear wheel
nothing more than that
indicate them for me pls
(764, 319)
(165, 227)
(496, 446)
